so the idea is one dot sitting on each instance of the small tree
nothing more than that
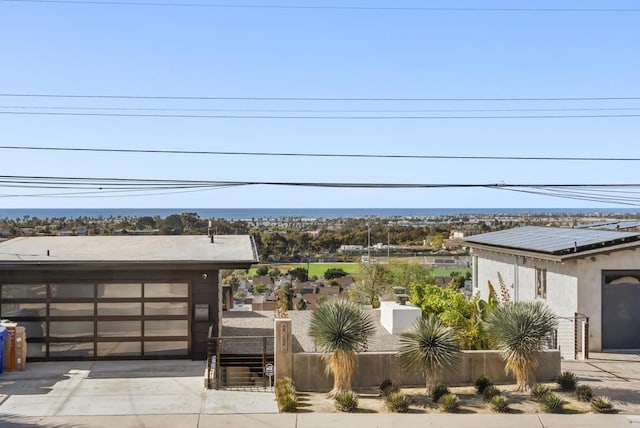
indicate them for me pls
(340, 328)
(428, 348)
(374, 280)
(262, 271)
(518, 330)
(333, 273)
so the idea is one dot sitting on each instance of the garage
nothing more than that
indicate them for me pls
(102, 297)
(620, 314)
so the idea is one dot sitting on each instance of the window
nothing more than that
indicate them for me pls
(541, 283)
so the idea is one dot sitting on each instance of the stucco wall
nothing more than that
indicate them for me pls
(373, 367)
(519, 276)
(590, 280)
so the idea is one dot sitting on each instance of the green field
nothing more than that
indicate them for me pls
(318, 269)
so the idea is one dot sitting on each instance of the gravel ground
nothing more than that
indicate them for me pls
(260, 323)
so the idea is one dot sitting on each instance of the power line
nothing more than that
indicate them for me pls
(327, 7)
(104, 182)
(348, 99)
(320, 155)
(205, 116)
(91, 187)
(244, 110)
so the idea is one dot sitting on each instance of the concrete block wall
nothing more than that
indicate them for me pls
(309, 371)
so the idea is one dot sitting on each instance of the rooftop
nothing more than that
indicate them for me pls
(553, 240)
(235, 249)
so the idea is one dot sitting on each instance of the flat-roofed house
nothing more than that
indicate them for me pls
(109, 297)
(579, 273)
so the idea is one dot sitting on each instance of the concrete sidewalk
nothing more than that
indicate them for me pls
(324, 420)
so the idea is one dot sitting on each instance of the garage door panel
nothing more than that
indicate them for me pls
(620, 316)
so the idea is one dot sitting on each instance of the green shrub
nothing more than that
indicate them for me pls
(567, 381)
(584, 393)
(347, 401)
(601, 405)
(490, 392)
(438, 392)
(538, 392)
(387, 387)
(552, 403)
(286, 396)
(500, 404)
(449, 403)
(482, 383)
(397, 402)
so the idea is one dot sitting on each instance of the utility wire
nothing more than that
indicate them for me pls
(254, 98)
(506, 110)
(321, 155)
(327, 7)
(206, 116)
(105, 182)
(92, 186)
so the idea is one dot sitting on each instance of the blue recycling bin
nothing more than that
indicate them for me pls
(3, 337)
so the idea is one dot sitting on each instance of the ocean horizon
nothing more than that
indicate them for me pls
(310, 213)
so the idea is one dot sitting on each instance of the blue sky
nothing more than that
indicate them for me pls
(253, 52)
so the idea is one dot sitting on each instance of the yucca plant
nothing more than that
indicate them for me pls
(519, 330)
(500, 404)
(490, 392)
(340, 328)
(584, 393)
(552, 403)
(449, 403)
(346, 401)
(397, 402)
(538, 392)
(428, 348)
(601, 405)
(567, 381)
(482, 383)
(439, 391)
(387, 387)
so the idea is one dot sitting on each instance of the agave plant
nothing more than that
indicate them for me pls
(429, 348)
(519, 329)
(340, 328)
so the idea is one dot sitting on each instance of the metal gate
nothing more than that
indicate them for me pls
(240, 362)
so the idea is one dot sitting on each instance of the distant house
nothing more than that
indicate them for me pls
(578, 273)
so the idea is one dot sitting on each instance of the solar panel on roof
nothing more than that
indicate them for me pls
(551, 240)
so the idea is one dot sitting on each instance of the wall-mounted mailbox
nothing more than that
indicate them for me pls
(201, 312)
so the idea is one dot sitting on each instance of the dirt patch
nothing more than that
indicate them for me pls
(370, 401)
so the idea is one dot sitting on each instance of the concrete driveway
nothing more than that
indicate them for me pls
(122, 388)
(615, 375)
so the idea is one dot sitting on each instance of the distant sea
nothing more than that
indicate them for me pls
(249, 213)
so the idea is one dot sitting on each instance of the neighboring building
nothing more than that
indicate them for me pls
(575, 271)
(109, 297)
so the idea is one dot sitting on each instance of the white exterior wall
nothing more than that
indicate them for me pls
(519, 276)
(590, 280)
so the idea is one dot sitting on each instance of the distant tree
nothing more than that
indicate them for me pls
(333, 273)
(374, 280)
(172, 225)
(299, 274)
(145, 222)
(301, 305)
(407, 273)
